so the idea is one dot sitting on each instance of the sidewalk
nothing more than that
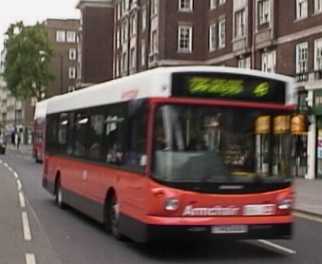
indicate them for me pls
(25, 149)
(308, 197)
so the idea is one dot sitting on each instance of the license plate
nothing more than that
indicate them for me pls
(229, 229)
(259, 209)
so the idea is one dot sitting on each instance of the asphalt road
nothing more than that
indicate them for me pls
(33, 230)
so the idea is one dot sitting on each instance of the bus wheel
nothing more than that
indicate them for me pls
(59, 196)
(112, 218)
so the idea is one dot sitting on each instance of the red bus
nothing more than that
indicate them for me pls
(39, 128)
(181, 151)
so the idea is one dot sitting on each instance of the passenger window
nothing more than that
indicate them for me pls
(80, 130)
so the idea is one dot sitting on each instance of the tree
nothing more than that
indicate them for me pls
(27, 58)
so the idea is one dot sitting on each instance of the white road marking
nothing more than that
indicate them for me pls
(26, 227)
(16, 175)
(19, 186)
(10, 169)
(309, 217)
(30, 258)
(5, 164)
(276, 246)
(22, 200)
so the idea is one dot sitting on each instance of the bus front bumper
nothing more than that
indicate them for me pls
(143, 232)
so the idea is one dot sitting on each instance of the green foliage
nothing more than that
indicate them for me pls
(26, 66)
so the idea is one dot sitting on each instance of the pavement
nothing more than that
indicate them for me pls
(308, 192)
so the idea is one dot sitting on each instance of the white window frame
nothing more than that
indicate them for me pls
(269, 61)
(213, 4)
(60, 36)
(240, 23)
(143, 14)
(72, 55)
(72, 72)
(71, 36)
(143, 53)
(118, 38)
(318, 55)
(221, 2)
(185, 37)
(185, 5)
(212, 37)
(154, 7)
(133, 25)
(263, 8)
(222, 33)
(317, 6)
(301, 9)
(302, 60)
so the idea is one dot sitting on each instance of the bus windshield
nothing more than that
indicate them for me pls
(202, 144)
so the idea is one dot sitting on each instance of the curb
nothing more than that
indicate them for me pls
(307, 213)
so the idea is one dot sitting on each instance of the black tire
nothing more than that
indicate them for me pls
(59, 198)
(112, 218)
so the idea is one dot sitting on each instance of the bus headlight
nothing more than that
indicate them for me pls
(171, 204)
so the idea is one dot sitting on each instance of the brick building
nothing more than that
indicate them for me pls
(63, 35)
(269, 35)
(96, 45)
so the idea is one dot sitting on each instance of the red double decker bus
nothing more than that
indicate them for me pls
(182, 151)
(39, 129)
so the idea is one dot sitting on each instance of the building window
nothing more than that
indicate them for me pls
(318, 55)
(301, 9)
(143, 17)
(222, 33)
(212, 37)
(302, 58)
(124, 31)
(317, 6)
(132, 59)
(269, 61)
(185, 5)
(71, 36)
(133, 25)
(185, 39)
(221, 2)
(118, 38)
(154, 7)
(71, 72)
(124, 62)
(263, 11)
(143, 53)
(213, 4)
(240, 23)
(244, 63)
(154, 42)
(60, 36)
(72, 54)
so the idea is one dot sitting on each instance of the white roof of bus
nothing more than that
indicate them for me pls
(151, 83)
(41, 109)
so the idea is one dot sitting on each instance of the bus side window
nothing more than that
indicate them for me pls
(136, 137)
(95, 133)
(114, 135)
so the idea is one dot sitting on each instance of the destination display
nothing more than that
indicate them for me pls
(228, 86)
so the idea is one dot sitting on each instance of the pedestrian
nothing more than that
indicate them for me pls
(18, 141)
